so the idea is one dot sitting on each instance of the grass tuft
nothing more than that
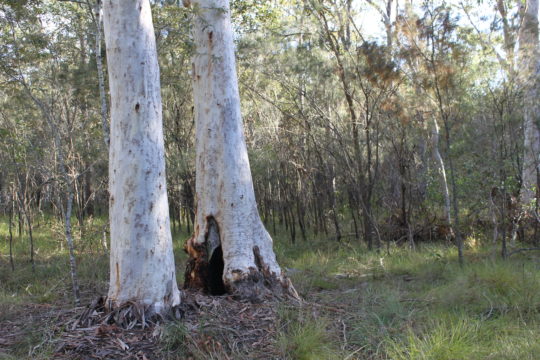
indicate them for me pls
(304, 337)
(441, 340)
(174, 338)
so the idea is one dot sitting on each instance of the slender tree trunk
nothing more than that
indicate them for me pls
(455, 208)
(71, 247)
(529, 79)
(353, 204)
(101, 76)
(23, 215)
(55, 132)
(141, 258)
(67, 219)
(10, 226)
(79, 207)
(31, 237)
(292, 228)
(422, 169)
(230, 250)
(19, 219)
(69, 189)
(273, 217)
(333, 203)
(440, 164)
(301, 218)
(368, 225)
(104, 239)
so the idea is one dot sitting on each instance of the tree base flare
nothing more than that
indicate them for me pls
(258, 286)
(127, 315)
(205, 272)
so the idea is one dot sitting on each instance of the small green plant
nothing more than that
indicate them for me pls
(174, 338)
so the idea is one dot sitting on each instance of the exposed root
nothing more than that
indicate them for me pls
(128, 315)
(261, 284)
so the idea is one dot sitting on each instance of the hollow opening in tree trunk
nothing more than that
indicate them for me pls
(215, 273)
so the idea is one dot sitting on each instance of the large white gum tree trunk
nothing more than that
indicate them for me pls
(529, 79)
(142, 263)
(230, 251)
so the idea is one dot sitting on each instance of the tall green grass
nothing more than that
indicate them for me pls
(361, 305)
(421, 304)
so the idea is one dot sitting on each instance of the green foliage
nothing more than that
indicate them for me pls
(253, 15)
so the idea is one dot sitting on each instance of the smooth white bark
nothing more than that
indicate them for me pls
(227, 212)
(142, 263)
(529, 79)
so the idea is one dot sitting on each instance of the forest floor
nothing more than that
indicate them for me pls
(356, 305)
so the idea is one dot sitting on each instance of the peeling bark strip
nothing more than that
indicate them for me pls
(229, 230)
(142, 264)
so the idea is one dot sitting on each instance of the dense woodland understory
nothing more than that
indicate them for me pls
(391, 145)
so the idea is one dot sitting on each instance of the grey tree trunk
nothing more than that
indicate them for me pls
(141, 259)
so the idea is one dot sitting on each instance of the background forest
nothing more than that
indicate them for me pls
(374, 128)
(342, 127)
